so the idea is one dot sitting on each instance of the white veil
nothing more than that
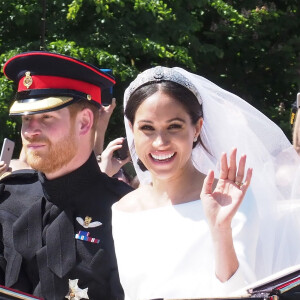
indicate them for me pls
(229, 122)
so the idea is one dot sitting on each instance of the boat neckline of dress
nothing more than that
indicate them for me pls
(155, 208)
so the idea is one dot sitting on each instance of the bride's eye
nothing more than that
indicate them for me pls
(175, 126)
(146, 127)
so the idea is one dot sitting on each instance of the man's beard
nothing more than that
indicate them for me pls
(57, 156)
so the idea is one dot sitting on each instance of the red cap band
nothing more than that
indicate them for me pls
(54, 82)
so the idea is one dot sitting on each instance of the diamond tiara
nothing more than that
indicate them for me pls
(158, 74)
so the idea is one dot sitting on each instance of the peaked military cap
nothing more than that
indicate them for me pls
(49, 81)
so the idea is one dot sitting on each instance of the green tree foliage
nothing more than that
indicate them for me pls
(248, 47)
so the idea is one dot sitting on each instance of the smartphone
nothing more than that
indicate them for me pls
(107, 94)
(123, 152)
(7, 151)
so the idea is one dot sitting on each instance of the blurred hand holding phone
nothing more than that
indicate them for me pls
(7, 151)
(123, 152)
(114, 156)
(6, 156)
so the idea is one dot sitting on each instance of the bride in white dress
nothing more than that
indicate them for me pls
(187, 231)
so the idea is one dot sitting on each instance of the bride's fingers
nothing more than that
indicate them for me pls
(207, 183)
(224, 166)
(241, 169)
(247, 181)
(232, 165)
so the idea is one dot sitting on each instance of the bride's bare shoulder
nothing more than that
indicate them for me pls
(133, 200)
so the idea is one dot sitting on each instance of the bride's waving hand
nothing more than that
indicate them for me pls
(222, 202)
(220, 205)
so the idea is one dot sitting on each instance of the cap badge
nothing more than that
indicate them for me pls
(87, 222)
(89, 97)
(27, 80)
(75, 292)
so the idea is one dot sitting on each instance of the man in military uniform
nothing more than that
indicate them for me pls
(56, 221)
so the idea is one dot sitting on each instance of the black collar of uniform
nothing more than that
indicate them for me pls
(66, 190)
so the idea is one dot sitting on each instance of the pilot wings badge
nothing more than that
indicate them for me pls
(87, 222)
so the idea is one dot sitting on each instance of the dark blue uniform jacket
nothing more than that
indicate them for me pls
(39, 220)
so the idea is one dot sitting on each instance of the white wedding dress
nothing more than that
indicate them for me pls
(167, 252)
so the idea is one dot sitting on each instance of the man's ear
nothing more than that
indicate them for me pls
(86, 119)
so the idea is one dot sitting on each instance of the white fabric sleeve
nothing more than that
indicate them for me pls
(235, 282)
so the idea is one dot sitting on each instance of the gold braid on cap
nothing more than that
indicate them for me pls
(159, 74)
